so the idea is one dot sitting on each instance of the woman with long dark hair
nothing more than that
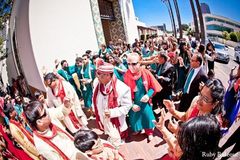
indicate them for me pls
(197, 138)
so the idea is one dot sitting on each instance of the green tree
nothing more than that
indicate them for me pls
(5, 11)
(185, 27)
(233, 36)
(238, 36)
(226, 35)
(190, 32)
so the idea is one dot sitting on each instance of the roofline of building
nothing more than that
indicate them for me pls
(150, 28)
(221, 17)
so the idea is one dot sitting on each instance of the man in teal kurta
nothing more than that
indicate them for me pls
(87, 77)
(66, 72)
(152, 53)
(143, 85)
(103, 51)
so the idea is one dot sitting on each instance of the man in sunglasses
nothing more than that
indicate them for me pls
(143, 86)
(51, 141)
(111, 101)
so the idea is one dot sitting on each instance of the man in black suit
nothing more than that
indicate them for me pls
(195, 76)
(164, 75)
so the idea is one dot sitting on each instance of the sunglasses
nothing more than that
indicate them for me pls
(132, 64)
(44, 115)
(50, 83)
(97, 144)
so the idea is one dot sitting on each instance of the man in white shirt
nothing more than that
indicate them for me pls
(57, 90)
(111, 101)
(52, 142)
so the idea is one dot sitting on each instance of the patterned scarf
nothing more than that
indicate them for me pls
(148, 79)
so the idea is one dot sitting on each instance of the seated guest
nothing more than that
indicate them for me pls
(88, 142)
(51, 141)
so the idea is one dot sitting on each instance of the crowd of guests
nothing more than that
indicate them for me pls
(126, 89)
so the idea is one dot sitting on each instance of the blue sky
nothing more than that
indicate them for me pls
(154, 12)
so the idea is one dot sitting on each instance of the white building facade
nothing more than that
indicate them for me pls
(42, 31)
(215, 25)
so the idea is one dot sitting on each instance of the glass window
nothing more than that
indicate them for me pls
(219, 46)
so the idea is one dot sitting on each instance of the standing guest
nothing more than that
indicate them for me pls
(18, 106)
(195, 76)
(87, 77)
(117, 51)
(211, 74)
(119, 68)
(164, 75)
(210, 50)
(23, 137)
(111, 45)
(57, 90)
(103, 51)
(135, 43)
(111, 100)
(173, 48)
(185, 54)
(143, 86)
(66, 72)
(232, 140)
(40, 98)
(76, 74)
(51, 141)
(152, 54)
(206, 57)
(232, 96)
(209, 101)
(15, 88)
(145, 50)
(164, 45)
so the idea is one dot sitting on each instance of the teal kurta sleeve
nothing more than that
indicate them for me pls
(150, 92)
